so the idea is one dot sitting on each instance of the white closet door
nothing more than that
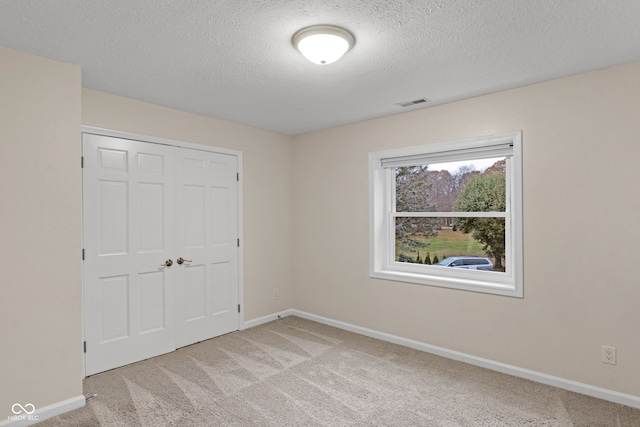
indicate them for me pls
(128, 217)
(145, 206)
(207, 233)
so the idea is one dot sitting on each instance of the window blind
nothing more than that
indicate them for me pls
(470, 153)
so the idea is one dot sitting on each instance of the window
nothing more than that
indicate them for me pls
(449, 214)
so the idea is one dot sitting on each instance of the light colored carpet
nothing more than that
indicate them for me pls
(294, 372)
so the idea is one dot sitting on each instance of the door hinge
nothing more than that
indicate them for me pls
(238, 308)
(82, 161)
(238, 242)
(83, 254)
(238, 176)
(85, 346)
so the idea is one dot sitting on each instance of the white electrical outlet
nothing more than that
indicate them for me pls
(608, 355)
(275, 293)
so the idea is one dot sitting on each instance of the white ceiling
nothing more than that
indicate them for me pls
(233, 59)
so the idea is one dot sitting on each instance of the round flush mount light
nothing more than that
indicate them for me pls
(323, 44)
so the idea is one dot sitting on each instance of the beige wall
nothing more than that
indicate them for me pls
(267, 186)
(308, 196)
(581, 148)
(40, 265)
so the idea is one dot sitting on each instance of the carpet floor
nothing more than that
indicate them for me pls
(295, 372)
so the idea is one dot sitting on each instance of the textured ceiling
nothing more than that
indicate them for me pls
(233, 59)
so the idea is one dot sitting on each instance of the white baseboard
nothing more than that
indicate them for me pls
(565, 384)
(41, 414)
(266, 319)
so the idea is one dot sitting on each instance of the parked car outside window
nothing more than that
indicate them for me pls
(467, 262)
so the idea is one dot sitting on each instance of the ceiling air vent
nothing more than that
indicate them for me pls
(411, 103)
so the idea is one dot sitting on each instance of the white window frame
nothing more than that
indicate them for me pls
(382, 264)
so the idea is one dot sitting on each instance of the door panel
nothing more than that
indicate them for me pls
(128, 219)
(193, 218)
(152, 217)
(223, 296)
(114, 309)
(206, 236)
(194, 287)
(152, 300)
(113, 217)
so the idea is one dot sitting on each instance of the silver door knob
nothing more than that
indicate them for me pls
(167, 263)
(182, 260)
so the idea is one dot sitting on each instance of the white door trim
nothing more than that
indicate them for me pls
(158, 140)
(182, 144)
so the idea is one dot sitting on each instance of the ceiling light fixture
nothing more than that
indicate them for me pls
(323, 44)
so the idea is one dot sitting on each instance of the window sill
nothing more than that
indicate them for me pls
(465, 284)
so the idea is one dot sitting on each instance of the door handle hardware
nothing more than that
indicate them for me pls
(167, 263)
(182, 260)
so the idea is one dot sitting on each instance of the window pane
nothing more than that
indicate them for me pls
(442, 187)
(432, 240)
